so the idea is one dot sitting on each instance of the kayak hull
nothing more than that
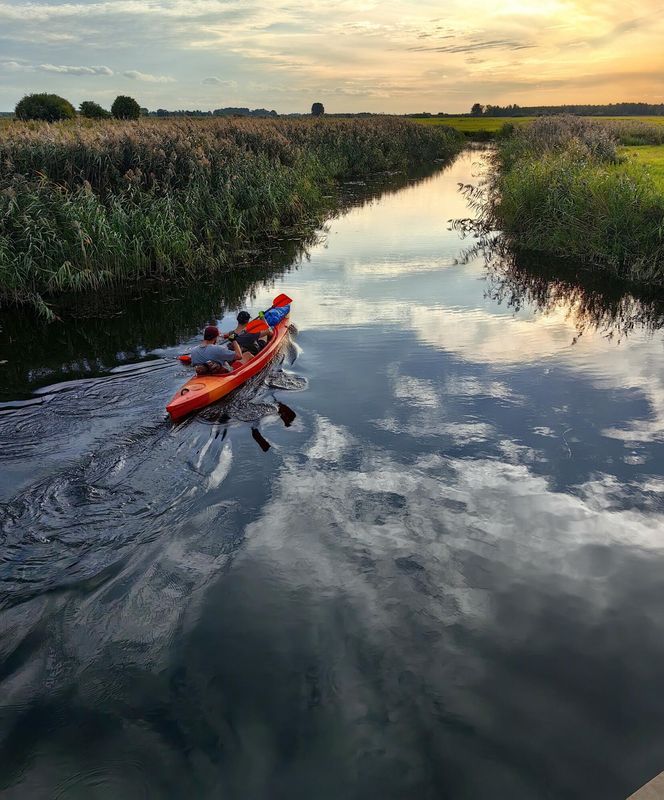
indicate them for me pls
(202, 390)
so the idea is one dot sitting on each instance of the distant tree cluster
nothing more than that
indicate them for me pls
(164, 112)
(231, 111)
(53, 108)
(514, 110)
(243, 112)
(608, 110)
(317, 110)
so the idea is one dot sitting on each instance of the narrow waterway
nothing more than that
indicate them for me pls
(421, 558)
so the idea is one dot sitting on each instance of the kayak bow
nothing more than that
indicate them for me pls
(202, 390)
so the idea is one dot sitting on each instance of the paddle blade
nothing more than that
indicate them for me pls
(185, 358)
(281, 300)
(256, 326)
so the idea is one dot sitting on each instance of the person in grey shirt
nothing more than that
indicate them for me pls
(209, 358)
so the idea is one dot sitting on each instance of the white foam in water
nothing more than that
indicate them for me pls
(223, 467)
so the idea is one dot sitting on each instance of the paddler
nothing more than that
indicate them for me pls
(210, 358)
(249, 342)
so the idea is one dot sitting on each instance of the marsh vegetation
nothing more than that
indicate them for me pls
(85, 206)
(565, 186)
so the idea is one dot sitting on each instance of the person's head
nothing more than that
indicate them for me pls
(211, 334)
(243, 317)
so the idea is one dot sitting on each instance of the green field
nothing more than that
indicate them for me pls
(653, 157)
(651, 120)
(471, 126)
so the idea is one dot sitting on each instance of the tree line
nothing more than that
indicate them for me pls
(53, 108)
(585, 110)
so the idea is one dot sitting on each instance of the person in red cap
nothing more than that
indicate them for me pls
(210, 358)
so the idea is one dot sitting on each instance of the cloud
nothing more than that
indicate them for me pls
(355, 56)
(135, 75)
(214, 81)
(13, 66)
(72, 70)
(471, 47)
(618, 31)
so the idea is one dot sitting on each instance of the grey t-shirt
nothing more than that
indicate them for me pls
(211, 352)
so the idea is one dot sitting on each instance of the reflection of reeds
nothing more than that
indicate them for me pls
(559, 188)
(593, 302)
(87, 206)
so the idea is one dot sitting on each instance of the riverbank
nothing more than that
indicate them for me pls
(563, 186)
(87, 206)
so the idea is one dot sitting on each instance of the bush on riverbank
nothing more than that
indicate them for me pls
(560, 188)
(85, 206)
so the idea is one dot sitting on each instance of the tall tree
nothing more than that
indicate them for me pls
(47, 107)
(92, 110)
(317, 109)
(125, 108)
(477, 109)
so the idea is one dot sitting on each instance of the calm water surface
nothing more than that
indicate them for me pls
(424, 559)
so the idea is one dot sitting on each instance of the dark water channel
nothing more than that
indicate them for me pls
(423, 559)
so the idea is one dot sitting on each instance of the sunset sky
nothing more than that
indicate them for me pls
(356, 55)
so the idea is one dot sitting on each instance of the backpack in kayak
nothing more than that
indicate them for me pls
(275, 315)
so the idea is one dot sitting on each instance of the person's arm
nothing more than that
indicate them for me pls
(236, 347)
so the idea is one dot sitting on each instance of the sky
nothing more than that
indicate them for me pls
(352, 55)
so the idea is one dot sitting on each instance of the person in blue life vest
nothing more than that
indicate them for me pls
(210, 358)
(249, 342)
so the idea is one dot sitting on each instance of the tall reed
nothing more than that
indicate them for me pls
(559, 187)
(83, 206)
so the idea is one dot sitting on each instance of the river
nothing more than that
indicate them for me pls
(422, 560)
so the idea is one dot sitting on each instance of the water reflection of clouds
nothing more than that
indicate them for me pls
(399, 267)
(507, 342)
(506, 501)
(469, 556)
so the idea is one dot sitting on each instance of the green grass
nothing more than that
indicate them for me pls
(652, 157)
(561, 188)
(651, 120)
(473, 125)
(488, 127)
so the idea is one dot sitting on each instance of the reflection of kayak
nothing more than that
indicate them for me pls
(202, 390)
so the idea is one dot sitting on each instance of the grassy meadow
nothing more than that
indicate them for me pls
(651, 157)
(483, 128)
(470, 126)
(89, 205)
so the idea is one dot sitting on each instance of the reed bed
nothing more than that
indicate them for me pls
(561, 186)
(84, 206)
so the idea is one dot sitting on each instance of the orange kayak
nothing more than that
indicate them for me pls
(202, 390)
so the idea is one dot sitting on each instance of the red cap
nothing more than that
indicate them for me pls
(211, 332)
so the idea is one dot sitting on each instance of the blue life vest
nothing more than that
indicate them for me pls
(275, 315)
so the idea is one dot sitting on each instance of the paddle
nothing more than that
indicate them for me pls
(259, 324)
